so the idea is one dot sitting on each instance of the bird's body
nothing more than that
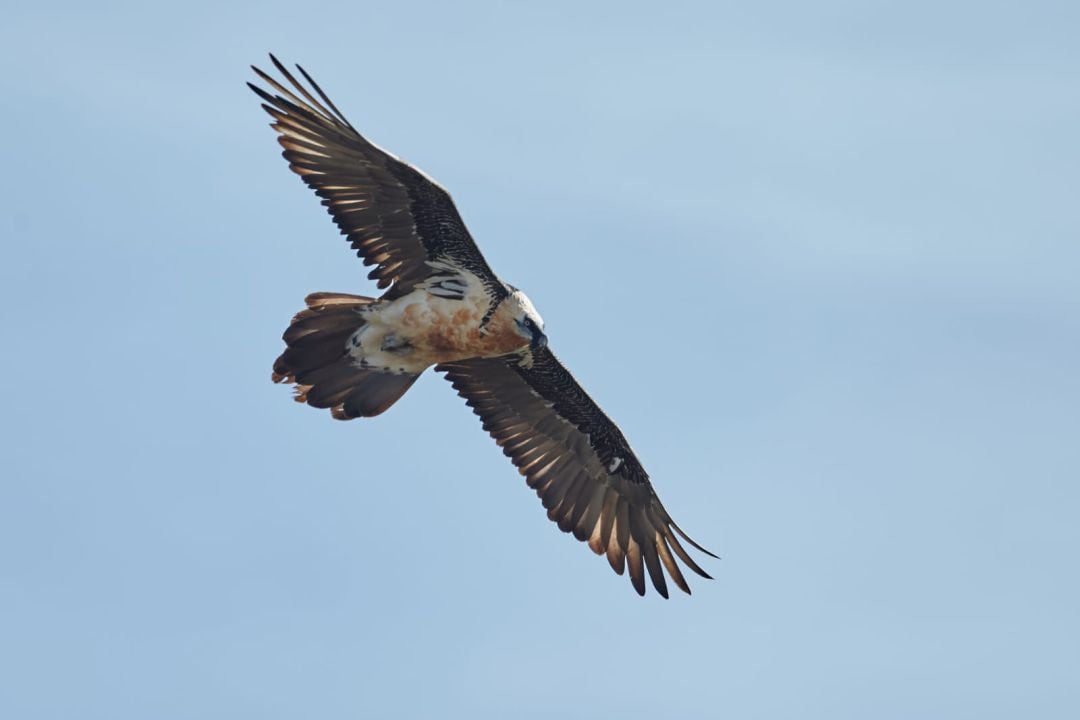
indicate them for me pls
(444, 307)
(421, 329)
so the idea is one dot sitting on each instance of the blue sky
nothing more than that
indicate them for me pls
(818, 261)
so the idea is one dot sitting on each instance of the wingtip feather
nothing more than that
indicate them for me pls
(690, 540)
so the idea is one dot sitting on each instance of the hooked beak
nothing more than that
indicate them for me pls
(537, 338)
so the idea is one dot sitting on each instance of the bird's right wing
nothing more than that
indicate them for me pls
(577, 460)
(396, 217)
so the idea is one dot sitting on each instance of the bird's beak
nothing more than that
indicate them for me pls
(537, 338)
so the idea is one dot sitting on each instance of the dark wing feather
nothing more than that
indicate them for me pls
(577, 460)
(395, 217)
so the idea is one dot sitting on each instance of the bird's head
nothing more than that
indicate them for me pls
(527, 321)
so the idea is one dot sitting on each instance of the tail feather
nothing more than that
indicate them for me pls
(327, 315)
(313, 355)
(316, 360)
(332, 384)
(374, 394)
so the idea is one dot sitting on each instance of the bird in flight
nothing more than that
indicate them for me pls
(443, 306)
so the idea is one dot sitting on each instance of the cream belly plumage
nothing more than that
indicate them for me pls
(443, 306)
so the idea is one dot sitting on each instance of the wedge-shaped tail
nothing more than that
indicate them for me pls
(317, 360)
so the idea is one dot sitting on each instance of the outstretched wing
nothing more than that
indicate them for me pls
(395, 217)
(577, 460)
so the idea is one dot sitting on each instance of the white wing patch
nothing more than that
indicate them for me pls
(615, 464)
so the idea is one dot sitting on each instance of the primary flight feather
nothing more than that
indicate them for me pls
(443, 306)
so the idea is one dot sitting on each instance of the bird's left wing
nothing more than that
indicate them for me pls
(395, 217)
(577, 460)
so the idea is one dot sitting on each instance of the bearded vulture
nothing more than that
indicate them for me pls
(443, 306)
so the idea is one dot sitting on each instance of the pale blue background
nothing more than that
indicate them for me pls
(820, 262)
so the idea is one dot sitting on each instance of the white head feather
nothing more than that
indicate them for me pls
(526, 305)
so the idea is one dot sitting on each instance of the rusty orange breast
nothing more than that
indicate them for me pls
(453, 333)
